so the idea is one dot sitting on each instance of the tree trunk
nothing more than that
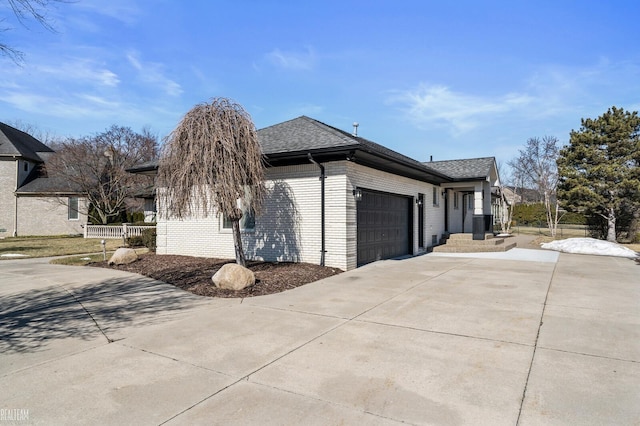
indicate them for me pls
(611, 225)
(237, 242)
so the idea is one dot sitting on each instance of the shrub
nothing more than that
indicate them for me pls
(149, 238)
(135, 241)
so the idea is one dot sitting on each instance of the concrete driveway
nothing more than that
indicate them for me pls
(428, 340)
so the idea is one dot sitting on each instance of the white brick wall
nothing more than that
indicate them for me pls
(368, 178)
(291, 205)
(289, 228)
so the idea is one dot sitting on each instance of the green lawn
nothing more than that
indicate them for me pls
(52, 246)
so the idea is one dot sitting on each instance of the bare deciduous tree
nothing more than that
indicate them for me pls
(24, 10)
(45, 136)
(96, 166)
(213, 162)
(508, 198)
(536, 164)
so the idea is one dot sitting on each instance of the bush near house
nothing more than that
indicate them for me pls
(147, 239)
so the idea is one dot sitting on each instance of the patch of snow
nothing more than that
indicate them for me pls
(590, 246)
(503, 235)
(14, 255)
(85, 258)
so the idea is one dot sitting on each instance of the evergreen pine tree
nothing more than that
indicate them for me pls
(599, 169)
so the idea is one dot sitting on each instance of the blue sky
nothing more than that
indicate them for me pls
(451, 79)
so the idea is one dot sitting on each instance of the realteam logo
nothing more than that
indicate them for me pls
(14, 415)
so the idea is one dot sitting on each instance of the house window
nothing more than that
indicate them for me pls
(73, 208)
(456, 203)
(470, 202)
(247, 222)
(26, 166)
(436, 199)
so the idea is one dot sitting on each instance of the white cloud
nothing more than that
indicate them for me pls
(151, 73)
(81, 70)
(551, 100)
(71, 106)
(292, 60)
(122, 10)
(438, 105)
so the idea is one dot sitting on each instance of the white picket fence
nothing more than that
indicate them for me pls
(114, 231)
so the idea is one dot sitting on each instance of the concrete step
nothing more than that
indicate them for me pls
(490, 242)
(473, 249)
(468, 236)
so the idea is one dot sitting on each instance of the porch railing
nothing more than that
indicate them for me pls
(114, 231)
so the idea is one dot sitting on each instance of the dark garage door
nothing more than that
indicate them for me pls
(383, 226)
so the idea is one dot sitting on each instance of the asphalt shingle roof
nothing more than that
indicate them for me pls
(14, 142)
(471, 168)
(48, 185)
(306, 134)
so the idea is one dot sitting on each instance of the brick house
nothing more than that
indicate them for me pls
(340, 200)
(31, 203)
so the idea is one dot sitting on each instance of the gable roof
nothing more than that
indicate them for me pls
(16, 143)
(466, 169)
(292, 141)
(49, 186)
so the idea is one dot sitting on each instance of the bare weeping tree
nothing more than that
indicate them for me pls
(212, 162)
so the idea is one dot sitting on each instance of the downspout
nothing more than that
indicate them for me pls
(15, 213)
(322, 215)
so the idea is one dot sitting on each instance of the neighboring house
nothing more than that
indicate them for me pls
(149, 168)
(30, 202)
(340, 200)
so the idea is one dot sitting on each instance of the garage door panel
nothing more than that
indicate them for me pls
(383, 226)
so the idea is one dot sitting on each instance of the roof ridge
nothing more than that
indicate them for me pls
(461, 159)
(21, 143)
(327, 127)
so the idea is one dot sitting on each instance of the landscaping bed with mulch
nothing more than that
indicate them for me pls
(193, 274)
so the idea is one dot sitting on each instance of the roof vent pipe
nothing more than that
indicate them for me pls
(355, 128)
(431, 158)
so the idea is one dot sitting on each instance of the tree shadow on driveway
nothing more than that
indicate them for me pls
(30, 320)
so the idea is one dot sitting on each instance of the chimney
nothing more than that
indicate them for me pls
(355, 128)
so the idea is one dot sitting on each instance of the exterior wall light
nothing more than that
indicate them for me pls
(357, 194)
(419, 201)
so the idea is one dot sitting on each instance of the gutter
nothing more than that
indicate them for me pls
(323, 176)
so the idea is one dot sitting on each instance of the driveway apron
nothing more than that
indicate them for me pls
(425, 340)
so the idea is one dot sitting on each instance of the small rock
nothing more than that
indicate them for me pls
(123, 256)
(233, 277)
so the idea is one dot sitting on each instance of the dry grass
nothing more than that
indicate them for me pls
(544, 237)
(562, 233)
(634, 247)
(86, 259)
(52, 246)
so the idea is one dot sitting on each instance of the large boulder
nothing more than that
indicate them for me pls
(233, 277)
(123, 256)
